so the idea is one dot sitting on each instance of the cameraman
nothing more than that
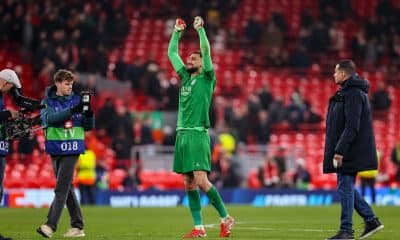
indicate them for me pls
(65, 119)
(8, 80)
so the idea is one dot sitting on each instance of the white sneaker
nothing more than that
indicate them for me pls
(74, 232)
(45, 231)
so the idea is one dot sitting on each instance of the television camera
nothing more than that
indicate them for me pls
(22, 126)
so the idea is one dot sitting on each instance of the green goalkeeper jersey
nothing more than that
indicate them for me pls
(195, 92)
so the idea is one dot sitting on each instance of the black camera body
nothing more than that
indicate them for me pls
(22, 126)
(85, 98)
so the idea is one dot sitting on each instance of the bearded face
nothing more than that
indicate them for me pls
(191, 69)
(193, 63)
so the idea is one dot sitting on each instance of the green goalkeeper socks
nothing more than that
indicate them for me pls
(195, 207)
(217, 202)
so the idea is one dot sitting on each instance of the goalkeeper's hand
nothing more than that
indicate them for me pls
(198, 22)
(180, 25)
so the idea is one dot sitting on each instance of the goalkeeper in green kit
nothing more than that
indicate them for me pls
(192, 155)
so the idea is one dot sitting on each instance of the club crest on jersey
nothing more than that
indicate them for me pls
(186, 90)
(193, 82)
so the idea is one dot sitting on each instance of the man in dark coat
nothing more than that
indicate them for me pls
(350, 147)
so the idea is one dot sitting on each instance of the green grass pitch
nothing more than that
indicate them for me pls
(171, 223)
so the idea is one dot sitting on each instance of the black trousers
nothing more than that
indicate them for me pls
(370, 183)
(88, 194)
(2, 169)
(63, 167)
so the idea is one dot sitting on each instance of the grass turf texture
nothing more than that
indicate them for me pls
(171, 223)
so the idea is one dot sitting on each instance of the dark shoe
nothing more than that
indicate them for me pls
(4, 238)
(341, 235)
(371, 228)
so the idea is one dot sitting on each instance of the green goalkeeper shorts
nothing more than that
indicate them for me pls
(192, 151)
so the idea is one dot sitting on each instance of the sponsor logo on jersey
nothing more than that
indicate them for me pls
(186, 90)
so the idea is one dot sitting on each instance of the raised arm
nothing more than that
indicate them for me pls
(204, 44)
(173, 54)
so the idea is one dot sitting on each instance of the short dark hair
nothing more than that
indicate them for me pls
(63, 75)
(347, 66)
(196, 52)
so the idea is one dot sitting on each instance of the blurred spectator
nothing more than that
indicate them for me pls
(396, 159)
(299, 57)
(337, 37)
(319, 38)
(227, 141)
(254, 107)
(239, 123)
(122, 145)
(169, 136)
(253, 29)
(120, 25)
(100, 63)
(268, 174)
(213, 17)
(91, 85)
(172, 96)
(105, 118)
(302, 176)
(272, 36)
(266, 97)
(134, 73)
(281, 161)
(279, 20)
(358, 44)
(262, 127)
(309, 115)
(277, 111)
(122, 122)
(216, 172)
(294, 113)
(152, 84)
(146, 131)
(132, 181)
(86, 177)
(120, 67)
(143, 130)
(230, 172)
(276, 57)
(102, 177)
(380, 98)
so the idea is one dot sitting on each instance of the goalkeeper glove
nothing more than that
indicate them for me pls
(198, 22)
(180, 25)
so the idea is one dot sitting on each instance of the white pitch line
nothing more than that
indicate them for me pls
(214, 225)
